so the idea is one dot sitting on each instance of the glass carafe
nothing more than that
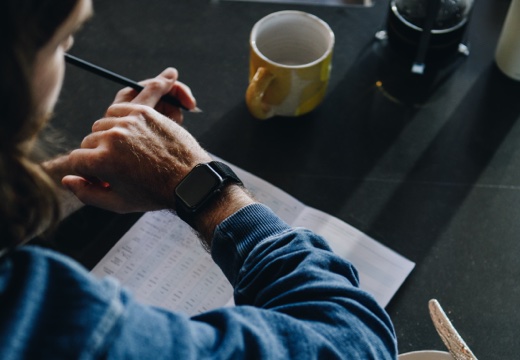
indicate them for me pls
(445, 22)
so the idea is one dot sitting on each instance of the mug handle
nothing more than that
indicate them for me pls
(255, 94)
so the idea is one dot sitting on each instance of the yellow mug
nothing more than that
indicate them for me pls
(290, 64)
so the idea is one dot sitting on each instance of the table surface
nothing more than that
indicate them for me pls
(439, 183)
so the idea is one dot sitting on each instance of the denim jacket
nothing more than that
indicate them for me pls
(294, 299)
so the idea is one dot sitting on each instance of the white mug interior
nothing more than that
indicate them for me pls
(292, 38)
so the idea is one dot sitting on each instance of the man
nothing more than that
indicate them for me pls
(295, 298)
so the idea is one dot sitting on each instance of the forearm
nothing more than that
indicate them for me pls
(232, 199)
(293, 272)
(295, 299)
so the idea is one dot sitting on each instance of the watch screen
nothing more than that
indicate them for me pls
(201, 181)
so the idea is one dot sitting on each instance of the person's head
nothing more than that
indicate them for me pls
(36, 33)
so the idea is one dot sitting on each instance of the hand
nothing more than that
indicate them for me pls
(164, 83)
(133, 159)
(57, 168)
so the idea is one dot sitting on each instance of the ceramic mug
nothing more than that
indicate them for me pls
(426, 355)
(290, 63)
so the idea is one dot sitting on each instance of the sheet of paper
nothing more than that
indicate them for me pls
(381, 270)
(161, 260)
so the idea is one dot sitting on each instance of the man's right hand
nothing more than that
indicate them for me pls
(133, 160)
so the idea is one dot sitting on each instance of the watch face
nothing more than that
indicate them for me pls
(197, 185)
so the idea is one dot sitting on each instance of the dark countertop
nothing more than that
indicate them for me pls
(438, 183)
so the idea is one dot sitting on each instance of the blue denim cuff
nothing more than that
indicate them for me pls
(236, 236)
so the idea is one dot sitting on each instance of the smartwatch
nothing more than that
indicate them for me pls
(202, 185)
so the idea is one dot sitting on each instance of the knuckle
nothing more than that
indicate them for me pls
(146, 112)
(125, 92)
(113, 110)
(125, 123)
(142, 112)
(139, 108)
(86, 140)
(73, 156)
(118, 134)
(96, 125)
(156, 85)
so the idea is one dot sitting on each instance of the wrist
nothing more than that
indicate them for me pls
(231, 199)
(208, 194)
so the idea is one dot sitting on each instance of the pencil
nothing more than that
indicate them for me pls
(110, 75)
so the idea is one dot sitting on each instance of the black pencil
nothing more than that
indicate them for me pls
(110, 75)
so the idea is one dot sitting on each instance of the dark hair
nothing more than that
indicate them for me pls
(27, 197)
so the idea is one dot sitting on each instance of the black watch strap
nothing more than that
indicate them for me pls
(201, 187)
(225, 171)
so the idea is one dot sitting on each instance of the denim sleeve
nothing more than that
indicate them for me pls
(293, 274)
(295, 300)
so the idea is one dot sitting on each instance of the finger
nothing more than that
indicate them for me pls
(125, 115)
(104, 124)
(153, 91)
(90, 163)
(172, 112)
(183, 93)
(128, 94)
(169, 73)
(125, 95)
(91, 141)
(118, 111)
(90, 193)
(120, 130)
(156, 88)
